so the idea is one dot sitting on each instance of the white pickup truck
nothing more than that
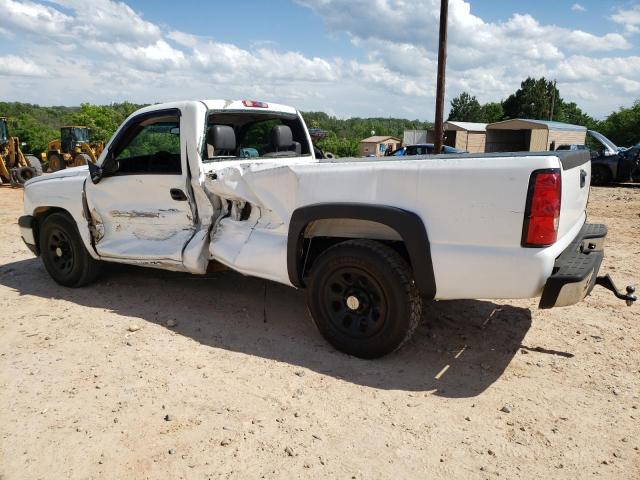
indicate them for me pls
(187, 185)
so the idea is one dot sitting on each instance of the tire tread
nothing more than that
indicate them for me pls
(399, 265)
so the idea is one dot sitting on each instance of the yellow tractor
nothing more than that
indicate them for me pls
(15, 167)
(72, 149)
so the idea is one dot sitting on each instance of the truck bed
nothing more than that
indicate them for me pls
(472, 206)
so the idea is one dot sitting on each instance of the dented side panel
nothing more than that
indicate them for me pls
(137, 219)
(472, 208)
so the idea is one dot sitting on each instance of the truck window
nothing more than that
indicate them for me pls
(232, 135)
(151, 147)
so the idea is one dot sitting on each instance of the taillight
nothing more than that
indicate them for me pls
(542, 211)
(254, 104)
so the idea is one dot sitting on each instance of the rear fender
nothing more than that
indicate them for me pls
(408, 225)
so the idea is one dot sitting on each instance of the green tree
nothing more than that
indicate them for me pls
(465, 108)
(492, 112)
(571, 113)
(623, 126)
(36, 135)
(533, 100)
(102, 120)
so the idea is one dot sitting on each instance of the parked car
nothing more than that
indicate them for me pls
(368, 239)
(610, 163)
(422, 149)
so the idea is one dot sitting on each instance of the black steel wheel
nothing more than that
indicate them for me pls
(63, 253)
(354, 302)
(362, 297)
(60, 250)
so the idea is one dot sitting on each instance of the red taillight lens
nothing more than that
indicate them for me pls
(542, 212)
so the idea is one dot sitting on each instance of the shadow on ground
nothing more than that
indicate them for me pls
(459, 351)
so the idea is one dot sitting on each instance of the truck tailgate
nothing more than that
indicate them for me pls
(576, 177)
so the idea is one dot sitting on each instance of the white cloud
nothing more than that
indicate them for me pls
(488, 59)
(109, 20)
(110, 52)
(576, 7)
(12, 65)
(31, 17)
(629, 18)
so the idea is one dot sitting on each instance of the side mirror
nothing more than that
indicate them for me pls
(109, 167)
(95, 172)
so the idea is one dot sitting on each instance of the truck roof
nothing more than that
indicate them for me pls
(219, 104)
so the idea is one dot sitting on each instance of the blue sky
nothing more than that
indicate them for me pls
(345, 57)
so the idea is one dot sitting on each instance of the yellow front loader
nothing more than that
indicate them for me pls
(15, 167)
(72, 149)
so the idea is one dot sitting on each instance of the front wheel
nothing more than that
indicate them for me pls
(363, 299)
(63, 253)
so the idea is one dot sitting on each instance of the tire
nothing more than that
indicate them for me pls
(329, 155)
(362, 297)
(63, 253)
(81, 160)
(34, 163)
(600, 175)
(25, 173)
(56, 162)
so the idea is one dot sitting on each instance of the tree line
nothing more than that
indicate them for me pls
(535, 99)
(540, 99)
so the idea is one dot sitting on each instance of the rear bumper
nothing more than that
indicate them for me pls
(26, 223)
(576, 269)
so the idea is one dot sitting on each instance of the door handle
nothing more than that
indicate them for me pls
(583, 178)
(178, 195)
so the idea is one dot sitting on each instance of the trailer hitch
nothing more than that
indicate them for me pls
(607, 282)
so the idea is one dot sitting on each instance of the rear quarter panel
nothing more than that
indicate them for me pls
(472, 207)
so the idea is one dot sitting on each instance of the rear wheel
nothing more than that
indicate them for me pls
(600, 175)
(56, 162)
(63, 253)
(362, 298)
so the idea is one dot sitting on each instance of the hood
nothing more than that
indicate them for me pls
(65, 173)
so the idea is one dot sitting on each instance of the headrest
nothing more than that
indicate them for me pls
(281, 137)
(221, 137)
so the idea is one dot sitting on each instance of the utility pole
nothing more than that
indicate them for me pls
(442, 66)
(553, 100)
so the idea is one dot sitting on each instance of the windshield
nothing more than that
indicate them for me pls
(238, 135)
(3, 131)
(603, 140)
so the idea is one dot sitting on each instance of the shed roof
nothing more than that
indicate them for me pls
(379, 139)
(469, 126)
(525, 123)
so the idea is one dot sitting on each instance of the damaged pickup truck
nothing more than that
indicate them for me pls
(184, 185)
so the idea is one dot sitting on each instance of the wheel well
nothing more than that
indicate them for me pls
(315, 246)
(409, 237)
(40, 214)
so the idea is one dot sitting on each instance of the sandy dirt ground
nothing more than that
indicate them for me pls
(226, 393)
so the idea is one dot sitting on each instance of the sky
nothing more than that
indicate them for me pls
(345, 57)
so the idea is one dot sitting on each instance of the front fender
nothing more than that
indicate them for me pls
(59, 193)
